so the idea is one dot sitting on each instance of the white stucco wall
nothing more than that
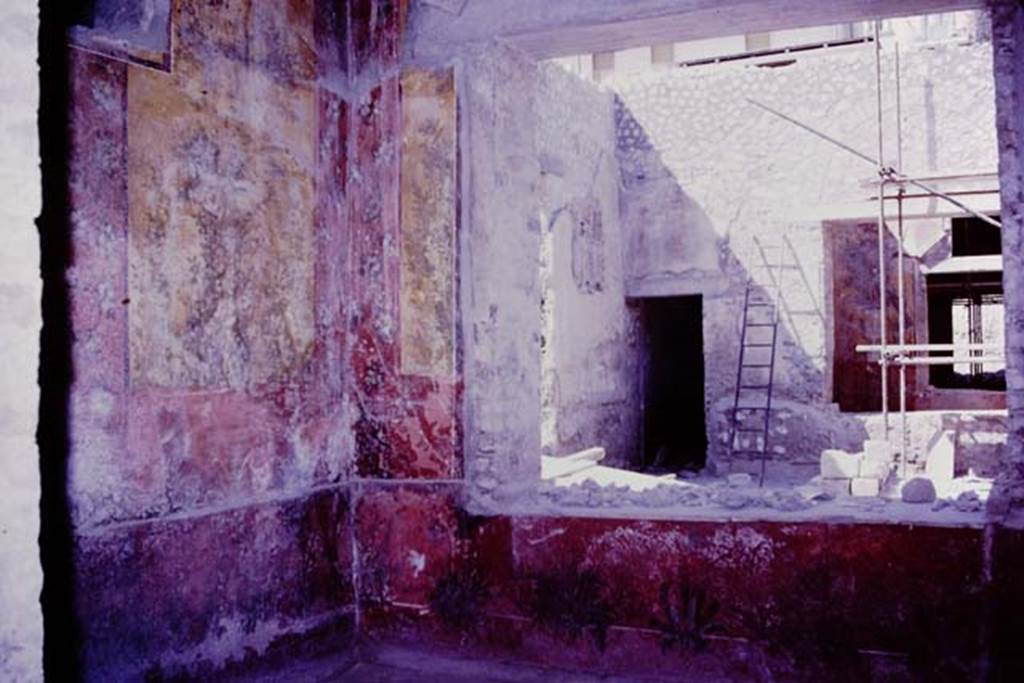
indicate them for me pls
(21, 628)
(591, 376)
(709, 179)
(538, 146)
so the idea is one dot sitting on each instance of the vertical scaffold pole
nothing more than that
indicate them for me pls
(900, 268)
(884, 361)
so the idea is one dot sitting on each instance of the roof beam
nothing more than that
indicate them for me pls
(543, 28)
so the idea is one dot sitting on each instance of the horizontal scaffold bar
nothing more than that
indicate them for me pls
(926, 348)
(944, 360)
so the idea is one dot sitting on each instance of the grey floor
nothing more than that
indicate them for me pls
(400, 665)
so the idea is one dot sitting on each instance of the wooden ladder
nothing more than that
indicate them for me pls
(755, 371)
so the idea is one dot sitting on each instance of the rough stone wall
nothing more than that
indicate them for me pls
(21, 624)
(592, 374)
(714, 188)
(1008, 54)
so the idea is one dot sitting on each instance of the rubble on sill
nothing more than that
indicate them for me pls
(854, 485)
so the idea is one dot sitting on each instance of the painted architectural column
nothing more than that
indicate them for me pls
(1008, 65)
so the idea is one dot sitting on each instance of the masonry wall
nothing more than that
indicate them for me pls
(207, 438)
(21, 624)
(263, 298)
(819, 600)
(592, 355)
(406, 389)
(501, 274)
(846, 602)
(715, 190)
(184, 567)
(1008, 54)
(252, 275)
(853, 313)
(436, 576)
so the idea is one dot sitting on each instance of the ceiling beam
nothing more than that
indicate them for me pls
(546, 28)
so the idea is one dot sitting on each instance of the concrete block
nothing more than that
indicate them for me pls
(838, 464)
(941, 453)
(864, 486)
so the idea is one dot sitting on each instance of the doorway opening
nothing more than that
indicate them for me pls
(675, 434)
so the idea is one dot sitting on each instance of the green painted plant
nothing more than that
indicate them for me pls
(458, 598)
(688, 615)
(572, 602)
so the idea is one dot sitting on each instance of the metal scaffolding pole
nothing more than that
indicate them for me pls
(946, 360)
(882, 177)
(904, 349)
(894, 353)
(891, 173)
(900, 294)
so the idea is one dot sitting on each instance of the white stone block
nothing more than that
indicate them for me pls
(875, 467)
(941, 454)
(837, 464)
(594, 454)
(837, 487)
(879, 449)
(864, 486)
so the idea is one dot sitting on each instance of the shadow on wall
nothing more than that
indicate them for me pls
(674, 248)
(56, 546)
(815, 311)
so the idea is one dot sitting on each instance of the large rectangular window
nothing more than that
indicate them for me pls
(966, 308)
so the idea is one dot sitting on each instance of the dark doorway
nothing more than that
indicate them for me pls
(675, 437)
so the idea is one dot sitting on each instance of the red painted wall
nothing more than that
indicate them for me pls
(185, 567)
